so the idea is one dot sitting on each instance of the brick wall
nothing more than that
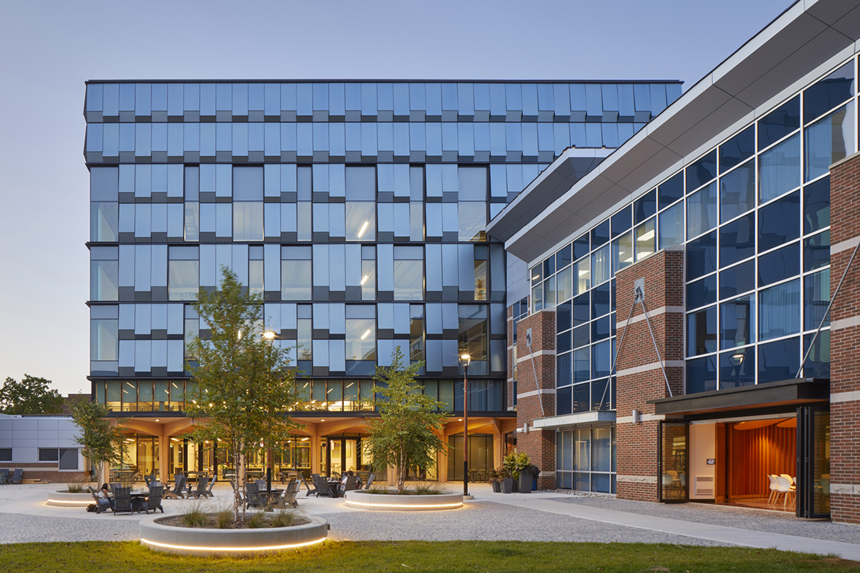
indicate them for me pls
(639, 375)
(45, 472)
(537, 397)
(844, 342)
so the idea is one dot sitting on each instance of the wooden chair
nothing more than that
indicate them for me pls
(122, 500)
(178, 488)
(290, 494)
(153, 502)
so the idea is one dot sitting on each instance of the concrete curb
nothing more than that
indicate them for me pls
(381, 502)
(66, 499)
(204, 542)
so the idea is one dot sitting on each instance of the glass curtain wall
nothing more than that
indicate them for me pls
(753, 215)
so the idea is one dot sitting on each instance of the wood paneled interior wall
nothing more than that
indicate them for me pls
(753, 454)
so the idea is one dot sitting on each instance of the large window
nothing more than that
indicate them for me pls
(296, 265)
(408, 273)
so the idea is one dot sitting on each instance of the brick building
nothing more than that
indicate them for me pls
(682, 346)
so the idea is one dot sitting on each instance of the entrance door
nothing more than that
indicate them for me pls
(673, 461)
(813, 461)
(341, 455)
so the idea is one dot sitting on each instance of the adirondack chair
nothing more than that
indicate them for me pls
(252, 495)
(369, 481)
(201, 488)
(16, 477)
(208, 492)
(178, 489)
(314, 478)
(122, 500)
(100, 507)
(290, 494)
(153, 502)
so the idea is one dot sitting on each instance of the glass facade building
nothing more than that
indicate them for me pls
(357, 210)
(751, 213)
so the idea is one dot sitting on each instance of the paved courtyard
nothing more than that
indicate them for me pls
(539, 516)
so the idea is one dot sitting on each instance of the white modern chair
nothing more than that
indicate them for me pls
(774, 489)
(785, 487)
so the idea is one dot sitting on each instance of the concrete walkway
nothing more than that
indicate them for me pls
(550, 503)
(539, 516)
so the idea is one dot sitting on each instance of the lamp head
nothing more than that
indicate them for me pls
(465, 360)
(268, 335)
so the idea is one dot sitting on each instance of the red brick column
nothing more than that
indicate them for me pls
(536, 398)
(639, 375)
(845, 342)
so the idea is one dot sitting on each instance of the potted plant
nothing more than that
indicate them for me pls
(528, 473)
(507, 481)
(494, 481)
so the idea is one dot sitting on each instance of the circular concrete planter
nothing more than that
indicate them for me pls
(66, 499)
(383, 502)
(194, 541)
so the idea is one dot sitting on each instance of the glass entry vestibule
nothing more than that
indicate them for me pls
(339, 454)
(776, 457)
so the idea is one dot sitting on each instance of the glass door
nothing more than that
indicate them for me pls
(672, 460)
(813, 462)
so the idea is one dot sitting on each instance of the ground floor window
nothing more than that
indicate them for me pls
(480, 457)
(585, 459)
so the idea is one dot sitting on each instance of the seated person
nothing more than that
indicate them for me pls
(104, 497)
(341, 489)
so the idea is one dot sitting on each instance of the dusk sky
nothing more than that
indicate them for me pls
(51, 48)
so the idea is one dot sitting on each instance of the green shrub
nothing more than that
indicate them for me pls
(192, 514)
(257, 520)
(429, 489)
(224, 518)
(75, 487)
(284, 518)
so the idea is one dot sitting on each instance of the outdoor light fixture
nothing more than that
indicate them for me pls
(465, 360)
(269, 335)
(363, 229)
(738, 358)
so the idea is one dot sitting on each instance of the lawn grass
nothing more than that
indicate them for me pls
(409, 556)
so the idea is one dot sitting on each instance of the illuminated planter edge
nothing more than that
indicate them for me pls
(200, 541)
(382, 502)
(66, 499)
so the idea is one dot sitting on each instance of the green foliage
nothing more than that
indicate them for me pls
(192, 514)
(519, 462)
(425, 556)
(74, 487)
(224, 518)
(406, 434)
(244, 384)
(101, 441)
(285, 518)
(257, 520)
(29, 396)
(427, 489)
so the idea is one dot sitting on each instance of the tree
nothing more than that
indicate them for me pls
(102, 441)
(405, 434)
(29, 396)
(244, 384)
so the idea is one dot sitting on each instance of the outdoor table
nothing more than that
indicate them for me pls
(274, 496)
(137, 500)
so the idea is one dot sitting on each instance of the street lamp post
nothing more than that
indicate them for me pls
(465, 360)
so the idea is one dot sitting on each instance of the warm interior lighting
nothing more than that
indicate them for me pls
(583, 273)
(364, 279)
(363, 229)
(756, 424)
(322, 419)
(305, 439)
(790, 423)
(363, 336)
(174, 385)
(647, 236)
(156, 420)
(460, 420)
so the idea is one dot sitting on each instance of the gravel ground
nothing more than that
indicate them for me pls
(751, 519)
(31, 528)
(488, 521)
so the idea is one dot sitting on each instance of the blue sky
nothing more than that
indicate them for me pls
(52, 47)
